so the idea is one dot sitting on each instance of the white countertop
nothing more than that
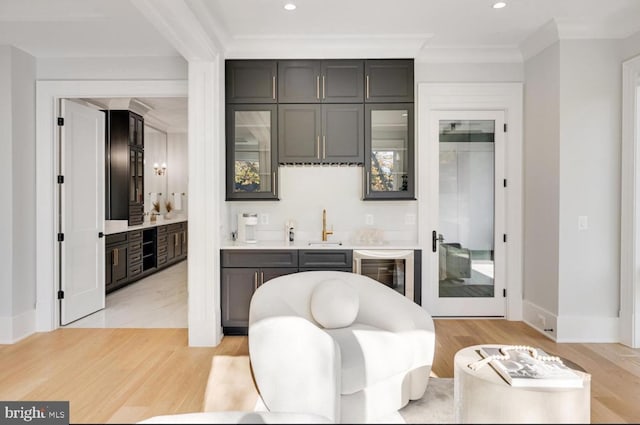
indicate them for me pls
(228, 244)
(118, 226)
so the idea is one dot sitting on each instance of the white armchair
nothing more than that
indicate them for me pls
(371, 354)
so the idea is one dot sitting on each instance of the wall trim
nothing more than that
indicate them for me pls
(588, 329)
(48, 94)
(18, 327)
(478, 96)
(630, 214)
(540, 319)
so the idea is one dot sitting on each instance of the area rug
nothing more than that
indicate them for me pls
(435, 407)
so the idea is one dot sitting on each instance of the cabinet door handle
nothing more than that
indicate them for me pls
(261, 278)
(255, 281)
(175, 239)
(324, 147)
(317, 87)
(367, 86)
(318, 143)
(323, 93)
(273, 87)
(115, 256)
(273, 183)
(184, 237)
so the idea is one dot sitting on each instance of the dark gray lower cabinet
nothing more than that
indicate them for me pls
(244, 271)
(238, 286)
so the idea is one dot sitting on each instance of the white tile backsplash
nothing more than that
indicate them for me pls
(306, 190)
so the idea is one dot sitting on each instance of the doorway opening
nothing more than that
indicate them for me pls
(143, 263)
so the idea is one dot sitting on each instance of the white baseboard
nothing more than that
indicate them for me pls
(581, 329)
(13, 329)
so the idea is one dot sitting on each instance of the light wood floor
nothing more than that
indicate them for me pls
(126, 375)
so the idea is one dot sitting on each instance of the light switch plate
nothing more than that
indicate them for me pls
(264, 218)
(583, 222)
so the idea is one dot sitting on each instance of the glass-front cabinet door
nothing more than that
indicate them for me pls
(389, 151)
(252, 168)
(136, 170)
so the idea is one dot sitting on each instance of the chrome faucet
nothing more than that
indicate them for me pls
(325, 232)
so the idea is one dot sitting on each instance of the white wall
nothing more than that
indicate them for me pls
(590, 146)
(121, 68)
(6, 176)
(468, 72)
(541, 178)
(155, 151)
(18, 262)
(631, 46)
(178, 169)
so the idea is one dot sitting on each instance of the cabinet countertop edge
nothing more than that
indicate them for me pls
(304, 245)
(112, 227)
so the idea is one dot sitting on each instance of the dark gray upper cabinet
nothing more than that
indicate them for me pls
(389, 80)
(299, 81)
(251, 81)
(331, 133)
(299, 132)
(251, 152)
(342, 81)
(321, 81)
(342, 133)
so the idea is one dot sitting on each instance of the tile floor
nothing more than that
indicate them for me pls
(157, 301)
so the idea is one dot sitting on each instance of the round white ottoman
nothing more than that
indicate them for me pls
(236, 417)
(482, 396)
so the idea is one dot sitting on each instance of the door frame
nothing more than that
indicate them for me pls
(480, 306)
(48, 95)
(629, 323)
(507, 97)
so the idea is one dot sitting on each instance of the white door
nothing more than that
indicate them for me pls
(466, 214)
(81, 219)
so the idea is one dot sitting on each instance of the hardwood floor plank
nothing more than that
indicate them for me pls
(126, 375)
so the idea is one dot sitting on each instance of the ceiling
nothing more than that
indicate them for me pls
(168, 114)
(103, 28)
(250, 28)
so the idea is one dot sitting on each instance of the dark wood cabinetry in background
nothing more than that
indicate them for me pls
(124, 149)
(135, 254)
(116, 268)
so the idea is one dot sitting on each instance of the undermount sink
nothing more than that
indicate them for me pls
(325, 243)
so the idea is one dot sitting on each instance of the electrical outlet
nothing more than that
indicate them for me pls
(409, 219)
(264, 218)
(368, 219)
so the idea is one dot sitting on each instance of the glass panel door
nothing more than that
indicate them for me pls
(467, 212)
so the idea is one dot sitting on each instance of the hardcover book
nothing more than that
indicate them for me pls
(522, 369)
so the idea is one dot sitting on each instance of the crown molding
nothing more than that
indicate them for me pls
(479, 54)
(335, 46)
(544, 37)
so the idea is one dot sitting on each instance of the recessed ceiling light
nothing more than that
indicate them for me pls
(290, 6)
(499, 5)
